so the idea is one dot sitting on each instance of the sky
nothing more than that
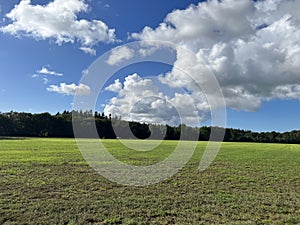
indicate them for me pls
(250, 48)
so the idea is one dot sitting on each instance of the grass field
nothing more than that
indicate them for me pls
(46, 181)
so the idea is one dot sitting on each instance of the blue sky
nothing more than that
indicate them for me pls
(252, 48)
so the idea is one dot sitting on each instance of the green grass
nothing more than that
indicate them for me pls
(46, 181)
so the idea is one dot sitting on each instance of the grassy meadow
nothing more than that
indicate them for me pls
(46, 181)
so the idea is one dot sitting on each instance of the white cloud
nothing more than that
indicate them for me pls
(70, 89)
(206, 23)
(57, 20)
(85, 72)
(287, 91)
(119, 54)
(140, 99)
(46, 71)
(88, 50)
(115, 87)
(253, 48)
(45, 80)
(106, 6)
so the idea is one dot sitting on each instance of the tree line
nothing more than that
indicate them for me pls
(21, 124)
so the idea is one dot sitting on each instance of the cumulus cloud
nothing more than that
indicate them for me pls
(58, 21)
(115, 87)
(253, 48)
(287, 91)
(46, 71)
(88, 50)
(140, 99)
(206, 23)
(135, 99)
(119, 54)
(70, 89)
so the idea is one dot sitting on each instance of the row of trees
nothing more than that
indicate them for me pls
(61, 125)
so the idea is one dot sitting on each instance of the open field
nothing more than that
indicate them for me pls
(46, 181)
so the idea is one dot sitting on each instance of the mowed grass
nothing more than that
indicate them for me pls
(46, 181)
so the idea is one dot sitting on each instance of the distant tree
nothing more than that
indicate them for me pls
(60, 125)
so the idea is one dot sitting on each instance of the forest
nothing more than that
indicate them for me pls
(21, 124)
